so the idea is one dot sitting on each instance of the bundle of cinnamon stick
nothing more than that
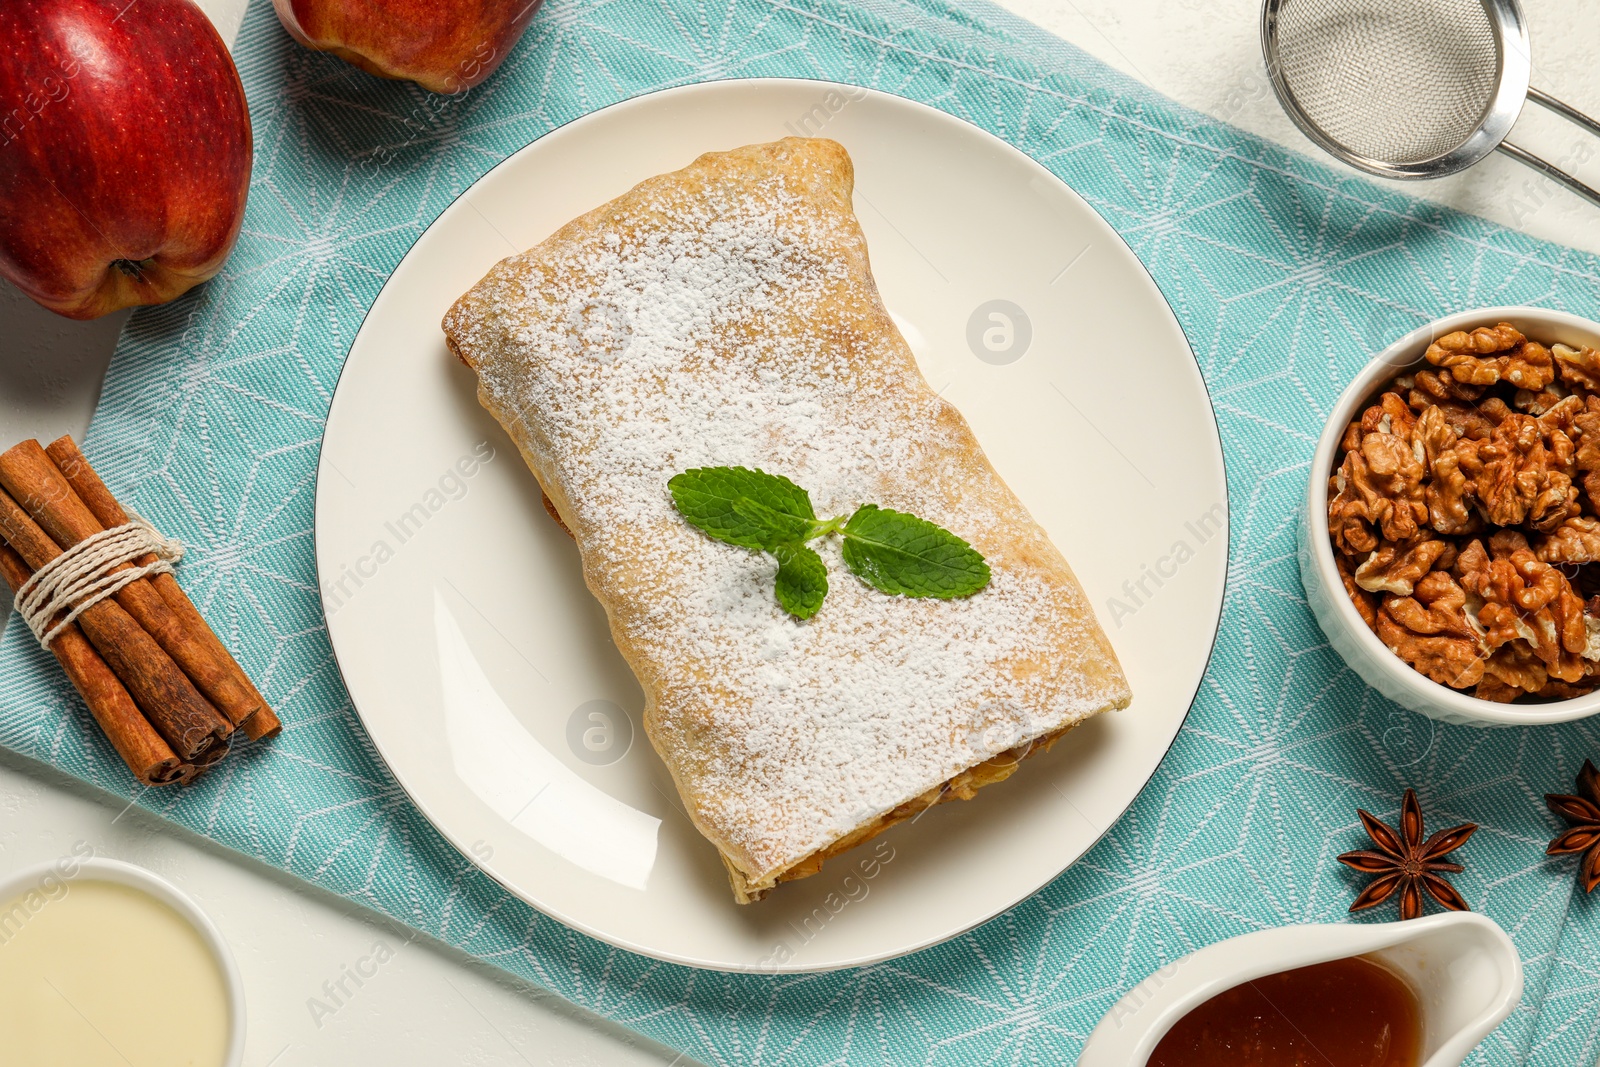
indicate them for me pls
(166, 692)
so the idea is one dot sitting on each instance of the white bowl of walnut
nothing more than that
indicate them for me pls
(1450, 547)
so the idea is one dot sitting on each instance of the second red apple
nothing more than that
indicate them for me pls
(447, 46)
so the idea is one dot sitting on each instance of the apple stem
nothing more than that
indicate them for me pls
(132, 269)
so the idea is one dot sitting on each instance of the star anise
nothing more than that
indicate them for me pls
(1583, 812)
(1406, 862)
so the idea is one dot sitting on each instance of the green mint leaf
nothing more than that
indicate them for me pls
(749, 508)
(802, 580)
(901, 554)
(775, 526)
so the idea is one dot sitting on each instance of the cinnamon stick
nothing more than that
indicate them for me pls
(183, 717)
(75, 468)
(34, 481)
(151, 759)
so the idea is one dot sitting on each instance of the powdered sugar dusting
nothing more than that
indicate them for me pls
(726, 316)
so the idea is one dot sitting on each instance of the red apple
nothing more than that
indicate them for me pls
(444, 45)
(124, 151)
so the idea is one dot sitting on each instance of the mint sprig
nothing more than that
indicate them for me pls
(892, 551)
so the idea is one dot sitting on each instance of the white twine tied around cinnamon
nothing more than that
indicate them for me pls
(81, 576)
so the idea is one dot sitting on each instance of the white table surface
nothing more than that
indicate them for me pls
(431, 1004)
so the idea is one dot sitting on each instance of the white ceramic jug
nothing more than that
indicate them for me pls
(1464, 968)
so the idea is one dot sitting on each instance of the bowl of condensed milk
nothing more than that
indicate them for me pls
(103, 962)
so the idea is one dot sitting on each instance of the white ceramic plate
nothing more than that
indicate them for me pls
(485, 672)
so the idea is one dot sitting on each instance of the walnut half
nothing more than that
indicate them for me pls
(1396, 569)
(1492, 354)
(1432, 632)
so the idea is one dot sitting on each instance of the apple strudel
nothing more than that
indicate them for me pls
(725, 315)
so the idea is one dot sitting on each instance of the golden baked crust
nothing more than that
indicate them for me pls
(726, 314)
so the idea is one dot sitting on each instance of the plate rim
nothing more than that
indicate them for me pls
(713, 86)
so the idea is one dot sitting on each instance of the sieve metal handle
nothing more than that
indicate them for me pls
(1551, 171)
(1571, 114)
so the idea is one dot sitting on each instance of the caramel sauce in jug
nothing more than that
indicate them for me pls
(1343, 1013)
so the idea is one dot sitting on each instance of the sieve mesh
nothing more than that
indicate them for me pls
(1398, 81)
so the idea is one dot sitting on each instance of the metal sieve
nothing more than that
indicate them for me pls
(1408, 88)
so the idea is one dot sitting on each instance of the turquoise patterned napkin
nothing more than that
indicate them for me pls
(1285, 275)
